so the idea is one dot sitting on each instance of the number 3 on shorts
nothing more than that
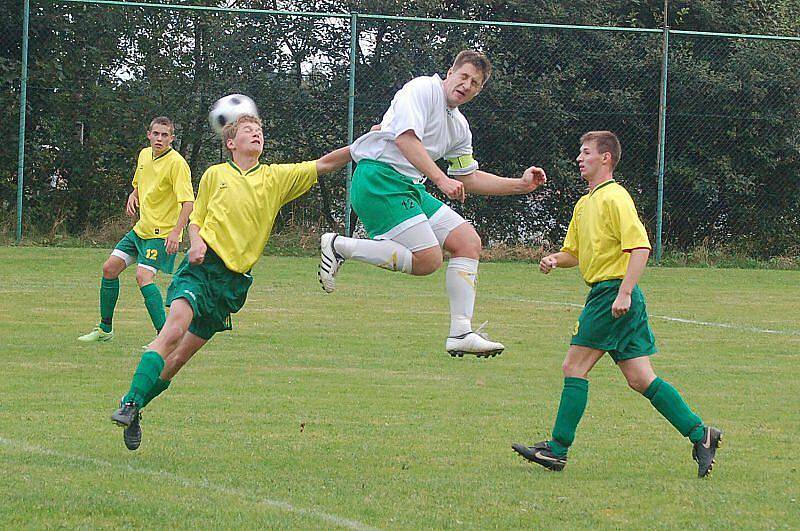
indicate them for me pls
(151, 254)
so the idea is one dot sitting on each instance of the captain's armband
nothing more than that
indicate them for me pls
(463, 165)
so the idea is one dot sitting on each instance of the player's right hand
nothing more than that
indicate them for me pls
(547, 264)
(132, 205)
(453, 189)
(197, 252)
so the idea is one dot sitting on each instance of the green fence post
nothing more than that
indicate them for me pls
(23, 93)
(662, 126)
(351, 103)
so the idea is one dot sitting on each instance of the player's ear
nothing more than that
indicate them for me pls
(229, 144)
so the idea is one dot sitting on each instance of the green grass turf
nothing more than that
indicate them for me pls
(395, 433)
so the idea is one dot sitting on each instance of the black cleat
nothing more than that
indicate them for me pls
(132, 435)
(541, 454)
(126, 414)
(704, 451)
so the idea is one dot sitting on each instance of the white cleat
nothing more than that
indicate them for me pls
(475, 343)
(329, 262)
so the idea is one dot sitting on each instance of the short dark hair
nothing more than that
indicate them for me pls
(606, 142)
(476, 59)
(162, 120)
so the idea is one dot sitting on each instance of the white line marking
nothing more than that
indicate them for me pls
(667, 318)
(203, 484)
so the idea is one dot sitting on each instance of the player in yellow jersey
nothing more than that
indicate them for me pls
(236, 206)
(608, 242)
(162, 191)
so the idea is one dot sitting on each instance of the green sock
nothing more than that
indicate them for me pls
(570, 411)
(109, 293)
(146, 375)
(159, 387)
(154, 304)
(667, 400)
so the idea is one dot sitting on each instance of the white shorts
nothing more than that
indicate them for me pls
(429, 232)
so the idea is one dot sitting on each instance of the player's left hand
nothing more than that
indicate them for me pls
(621, 305)
(533, 178)
(173, 241)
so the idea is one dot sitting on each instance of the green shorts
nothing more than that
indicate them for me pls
(624, 338)
(151, 253)
(385, 199)
(213, 290)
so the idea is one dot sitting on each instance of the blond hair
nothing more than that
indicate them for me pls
(230, 130)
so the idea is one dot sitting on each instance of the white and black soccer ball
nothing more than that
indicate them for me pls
(227, 109)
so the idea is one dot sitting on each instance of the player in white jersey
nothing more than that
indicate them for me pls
(407, 226)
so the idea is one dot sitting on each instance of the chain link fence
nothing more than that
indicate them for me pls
(99, 71)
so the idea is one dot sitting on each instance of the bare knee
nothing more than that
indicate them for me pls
(427, 261)
(111, 268)
(144, 276)
(571, 369)
(465, 242)
(640, 382)
(168, 339)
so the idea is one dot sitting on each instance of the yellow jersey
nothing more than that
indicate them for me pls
(164, 182)
(603, 230)
(236, 210)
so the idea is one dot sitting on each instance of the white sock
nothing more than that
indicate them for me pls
(461, 279)
(382, 253)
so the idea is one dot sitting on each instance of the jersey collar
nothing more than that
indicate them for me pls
(163, 154)
(239, 171)
(603, 185)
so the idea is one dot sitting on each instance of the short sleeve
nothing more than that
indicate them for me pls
(411, 107)
(460, 159)
(571, 239)
(631, 231)
(182, 181)
(138, 172)
(198, 215)
(295, 179)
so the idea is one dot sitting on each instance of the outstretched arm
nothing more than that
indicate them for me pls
(412, 149)
(485, 183)
(334, 160)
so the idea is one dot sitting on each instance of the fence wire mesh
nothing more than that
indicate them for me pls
(99, 73)
(732, 145)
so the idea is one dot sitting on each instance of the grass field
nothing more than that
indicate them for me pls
(343, 410)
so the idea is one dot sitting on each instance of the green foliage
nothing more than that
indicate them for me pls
(99, 73)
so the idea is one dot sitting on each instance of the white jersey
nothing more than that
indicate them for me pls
(420, 106)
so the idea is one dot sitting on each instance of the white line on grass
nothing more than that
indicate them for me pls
(191, 483)
(667, 318)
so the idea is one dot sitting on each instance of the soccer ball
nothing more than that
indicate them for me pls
(227, 109)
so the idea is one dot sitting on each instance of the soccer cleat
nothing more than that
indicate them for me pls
(541, 454)
(126, 414)
(329, 262)
(476, 343)
(704, 450)
(132, 435)
(97, 335)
